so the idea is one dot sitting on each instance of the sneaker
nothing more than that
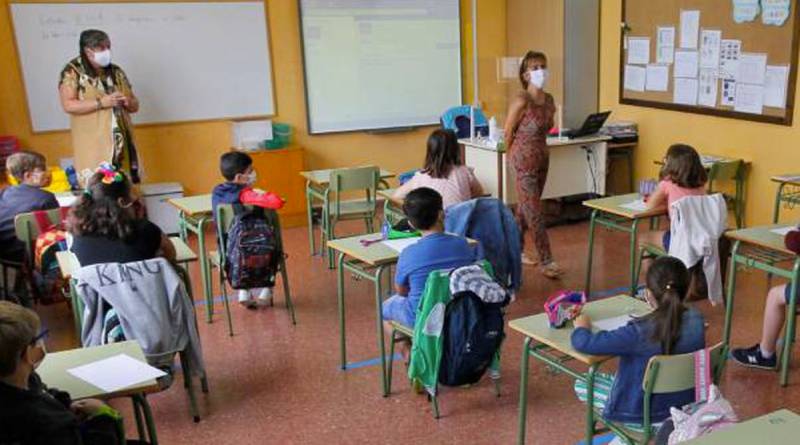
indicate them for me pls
(551, 271)
(529, 260)
(245, 299)
(265, 297)
(752, 357)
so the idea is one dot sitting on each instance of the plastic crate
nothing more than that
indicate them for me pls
(281, 136)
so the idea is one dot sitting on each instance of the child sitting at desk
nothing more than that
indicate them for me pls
(30, 413)
(763, 354)
(434, 251)
(671, 328)
(444, 172)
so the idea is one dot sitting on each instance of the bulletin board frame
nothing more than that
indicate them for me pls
(720, 14)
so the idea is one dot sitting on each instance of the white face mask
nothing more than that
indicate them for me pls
(251, 178)
(103, 58)
(538, 77)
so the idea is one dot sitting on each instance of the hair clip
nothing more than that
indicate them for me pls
(668, 286)
(110, 173)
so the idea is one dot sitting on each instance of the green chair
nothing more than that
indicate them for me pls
(664, 374)
(335, 209)
(730, 171)
(216, 258)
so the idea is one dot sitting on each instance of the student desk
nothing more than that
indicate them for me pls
(543, 343)
(194, 213)
(392, 207)
(778, 427)
(762, 250)
(317, 182)
(68, 264)
(53, 372)
(791, 196)
(609, 212)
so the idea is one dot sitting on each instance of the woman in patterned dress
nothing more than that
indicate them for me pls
(99, 99)
(530, 117)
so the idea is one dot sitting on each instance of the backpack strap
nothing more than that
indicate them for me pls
(702, 374)
(43, 222)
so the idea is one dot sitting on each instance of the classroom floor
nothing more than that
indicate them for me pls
(274, 383)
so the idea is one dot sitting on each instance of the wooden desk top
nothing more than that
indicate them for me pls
(762, 236)
(193, 205)
(485, 144)
(68, 262)
(791, 179)
(53, 370)
(613, 205)
(778, 427)
(537, 327)
(323, 177)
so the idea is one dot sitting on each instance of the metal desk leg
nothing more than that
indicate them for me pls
(310, 217)
(791, 317)
(588, 283)
(340, 297)
(379, 325)
(523, 391)
(634, 276)
(778, 198)
(148, 418)
(590, 403)
(205, 273)
(726, 331)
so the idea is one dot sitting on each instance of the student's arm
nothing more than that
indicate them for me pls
(512, 120)
(166, 249)
(476, 189)
(402, 191)
(620, 341)
(658, 198)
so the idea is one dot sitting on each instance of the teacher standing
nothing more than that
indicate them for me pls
(530, 117)
(99, 99)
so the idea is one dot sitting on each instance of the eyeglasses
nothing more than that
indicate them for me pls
(42, 335)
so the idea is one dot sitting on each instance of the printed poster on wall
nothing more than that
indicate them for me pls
(665, 44)
(745, 10)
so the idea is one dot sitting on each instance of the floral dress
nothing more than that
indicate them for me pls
(105, 135)
(530, 159)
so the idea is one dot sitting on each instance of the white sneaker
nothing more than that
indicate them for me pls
(245, 299)
(265, 296)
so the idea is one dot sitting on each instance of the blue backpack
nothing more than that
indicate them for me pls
(471, 337)
(252, 250)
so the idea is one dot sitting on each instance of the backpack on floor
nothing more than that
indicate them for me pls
(52, 238)
(252, 250)
(472, 334)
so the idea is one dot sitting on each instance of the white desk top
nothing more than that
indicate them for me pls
(486, 144)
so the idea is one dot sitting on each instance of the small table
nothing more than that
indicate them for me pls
(392, 207)
(609, 212)
(764, 249)
(194, 213)
(53, 372)
(790, 197)
(778, 427)
(317, 182)
(537, 330)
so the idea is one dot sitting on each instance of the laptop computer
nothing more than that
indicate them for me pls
(592, 124)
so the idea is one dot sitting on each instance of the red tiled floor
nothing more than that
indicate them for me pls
(274, 383)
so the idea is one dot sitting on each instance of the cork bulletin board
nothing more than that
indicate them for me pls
(716, 86)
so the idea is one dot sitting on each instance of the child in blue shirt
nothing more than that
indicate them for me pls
(671, 328)
(434, 251)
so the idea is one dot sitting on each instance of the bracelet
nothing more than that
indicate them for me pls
(99, 104)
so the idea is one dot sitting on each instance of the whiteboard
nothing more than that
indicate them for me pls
(186, 61)
(374, 64)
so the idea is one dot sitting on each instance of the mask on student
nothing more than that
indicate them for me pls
(103, 58)
(538, 77)
(251, 178)
(43, 349)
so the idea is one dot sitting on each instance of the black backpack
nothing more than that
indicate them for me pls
(472, 334)
(252, 250)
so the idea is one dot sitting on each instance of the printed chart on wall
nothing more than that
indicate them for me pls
(730, 58)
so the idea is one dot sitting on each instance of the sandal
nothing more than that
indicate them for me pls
(551, 270)
(528, 260)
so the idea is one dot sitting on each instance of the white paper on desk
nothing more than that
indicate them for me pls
(707, 88)
(710, 41)
(665, 44)
(637, 205)
(684, 91)
(690, 25)
(752, 68)
(686, 64)
(609, 324)
(775, 80)
(66, 200)
(729, 52)
(400, 245)
(728, 92)
(749, 98)
(635, 77)
(115, 373)
(745, 10)
(657, 78)
(782, 231)
(639, 50)
(775, 12)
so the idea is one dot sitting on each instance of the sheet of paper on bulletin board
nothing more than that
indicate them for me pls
(729, 58)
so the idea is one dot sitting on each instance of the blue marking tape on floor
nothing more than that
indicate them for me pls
(371, 362)
(600, 440)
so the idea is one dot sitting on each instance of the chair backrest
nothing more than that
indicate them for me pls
(26, 228)
(224, 218)
(349, 179)
(725, 171)
(673, 373)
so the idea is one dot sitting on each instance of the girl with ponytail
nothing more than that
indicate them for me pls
(671, 328)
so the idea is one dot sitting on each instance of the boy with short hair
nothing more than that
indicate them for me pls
(30, 171)
(240, 176)
(29, 412)
(434, 251)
